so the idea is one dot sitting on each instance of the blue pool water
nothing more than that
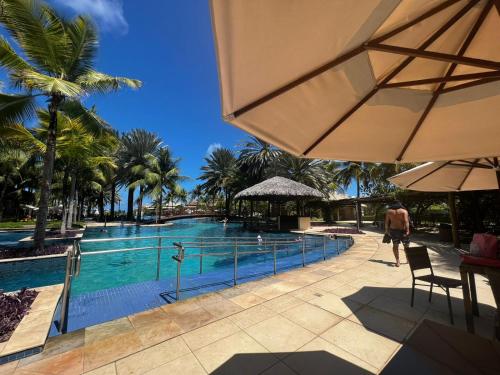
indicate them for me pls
(11, 238)
(112, 270)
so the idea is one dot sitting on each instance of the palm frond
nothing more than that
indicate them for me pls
(33, 80)
(10, 60)
(93, 81)
(16, 108)
(84, 45)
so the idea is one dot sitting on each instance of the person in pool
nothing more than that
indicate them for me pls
(397, 226)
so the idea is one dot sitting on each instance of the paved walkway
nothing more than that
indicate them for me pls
(349, 314)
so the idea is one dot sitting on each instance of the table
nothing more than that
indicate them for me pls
(434, 348)
(467, 272)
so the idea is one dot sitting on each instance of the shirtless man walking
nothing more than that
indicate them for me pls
(397, 226)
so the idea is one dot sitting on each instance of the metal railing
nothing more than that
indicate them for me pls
(226, 247)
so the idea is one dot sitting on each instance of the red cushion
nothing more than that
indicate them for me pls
(481, 261)
(487, 243)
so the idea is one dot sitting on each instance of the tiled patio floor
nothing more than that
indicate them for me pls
(349, 314)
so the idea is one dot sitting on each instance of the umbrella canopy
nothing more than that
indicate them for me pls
(371, 80)
(459, 175)
(279, 189)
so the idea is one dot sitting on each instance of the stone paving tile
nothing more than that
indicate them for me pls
(210, 333)
(378, 321)
(307, 293)
(57, 345)
(102, 352)
(108, 329)
(179, 308)
(282, 303)
(252, 316)
(67, 363)
(247, 300)
(311, 317)
(399, 308)
(8, 368)
(153, 357)
(238, 354)
(187, 364)
(364, 344)
(222, 308)
(279, 334)
(148, 317)
(279, 369)
(323, 358)
(335, 304)
(155, 333)
(193, 319)
(104, 370)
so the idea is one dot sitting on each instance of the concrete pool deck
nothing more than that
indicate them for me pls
(349, 313)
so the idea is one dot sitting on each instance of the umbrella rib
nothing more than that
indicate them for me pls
(458, 77)
(447, 57)
(451, 69)
(469, 84)
(396, 71)
(467, 176)
(331, 64)
(428, 174)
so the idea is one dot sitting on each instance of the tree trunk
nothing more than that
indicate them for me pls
(130, 204)
(454, 219)
(89, 207)
(75, 208)
(2, 195)
(239, 207)
(139, 205)
(358, 205)
(64, 216)
(69, 221)
(48, 172)
(227, 203)
(112, 208)
(158, 211)
(80, 211)
(101, 206)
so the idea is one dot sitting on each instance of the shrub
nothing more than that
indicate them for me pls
(13, 307)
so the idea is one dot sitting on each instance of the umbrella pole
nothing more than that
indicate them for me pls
(454, 220)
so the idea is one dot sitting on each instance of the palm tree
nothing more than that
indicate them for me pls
(137, 148)
(256, 156)
(58, 65)
(349, 171)
(161, 174)
(219, 174)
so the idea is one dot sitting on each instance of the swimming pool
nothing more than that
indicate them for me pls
(112, 270)
(10, 238)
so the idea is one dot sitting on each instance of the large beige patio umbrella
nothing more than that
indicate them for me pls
(458, 175)
(452, 176)
(371, 80)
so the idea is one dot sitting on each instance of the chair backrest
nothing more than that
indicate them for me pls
(494, 279)
(418, 258)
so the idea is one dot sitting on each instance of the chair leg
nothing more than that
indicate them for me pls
(430, 293)
(449, 305)
(412, 292)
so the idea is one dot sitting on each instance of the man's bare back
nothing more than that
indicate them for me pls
(397, 219)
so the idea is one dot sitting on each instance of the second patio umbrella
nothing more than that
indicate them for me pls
(452, 176)
(367, 80)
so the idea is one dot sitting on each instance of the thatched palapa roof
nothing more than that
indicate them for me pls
(279, 188)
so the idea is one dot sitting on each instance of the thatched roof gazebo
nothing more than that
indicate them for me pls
(279, 189)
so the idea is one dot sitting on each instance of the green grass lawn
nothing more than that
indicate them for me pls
(23, 224)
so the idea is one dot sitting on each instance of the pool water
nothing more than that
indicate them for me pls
(111, 270)
(11, 238)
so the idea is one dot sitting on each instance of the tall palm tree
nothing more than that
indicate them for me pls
(137, 148)
(257, 156)
(219, 175)
(161, 175)
(310, 172)
(58, 65)
(359, 172)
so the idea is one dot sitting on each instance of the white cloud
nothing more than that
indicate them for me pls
(211, 148)
(107, 13)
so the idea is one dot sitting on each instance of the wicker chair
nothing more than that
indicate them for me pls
(494, 278)
(418, 259)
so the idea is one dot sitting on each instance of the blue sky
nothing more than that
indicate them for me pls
(169, 46)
